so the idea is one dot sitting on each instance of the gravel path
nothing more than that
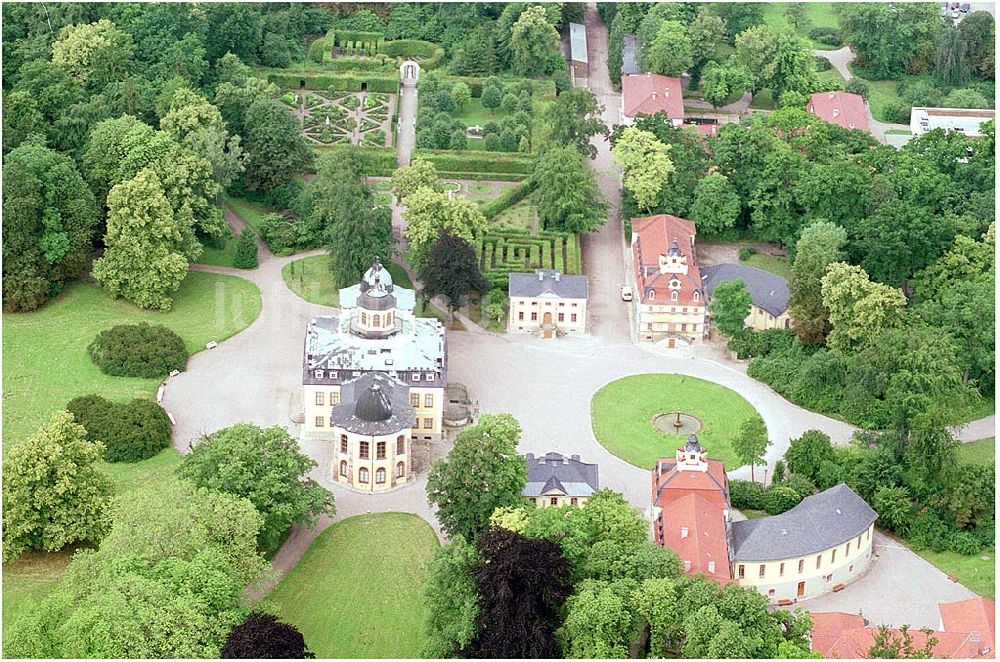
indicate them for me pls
(406, 138)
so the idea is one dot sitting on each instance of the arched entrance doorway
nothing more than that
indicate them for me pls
(409, 72)
(547, 328)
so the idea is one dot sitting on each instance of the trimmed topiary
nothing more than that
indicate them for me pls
(138, 350)
(130, 431)
(245, 256)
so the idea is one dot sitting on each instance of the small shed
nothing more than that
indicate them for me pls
(578, 50)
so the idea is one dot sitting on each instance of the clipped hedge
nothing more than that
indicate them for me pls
(319, 50)
(410, 48)
(505, 251)
(346, 38)
(138, 350)
(483, 176)
(388, 83)
(476, 161)
(377, 161)
(130, 431)
(508, 199)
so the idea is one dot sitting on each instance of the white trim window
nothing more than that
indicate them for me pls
(319, 374)
(416, 377)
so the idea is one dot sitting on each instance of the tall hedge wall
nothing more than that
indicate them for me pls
(476, 161)
(545, 88)
(315, 80)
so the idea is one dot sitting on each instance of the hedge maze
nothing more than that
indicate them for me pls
(502, 252)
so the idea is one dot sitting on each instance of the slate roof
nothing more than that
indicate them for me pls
(630, 55)
(841, 108)
(819, 522)
(556, 472)
(648, 94)
(329, 345)
(768, 291)
(531, 285)
(374, 404)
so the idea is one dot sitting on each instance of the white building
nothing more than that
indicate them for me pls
(963, 120)
(547, 303)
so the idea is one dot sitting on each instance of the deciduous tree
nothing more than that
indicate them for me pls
(452, 270)
(147, 249)
(568, 199)
(53, 495)
(266, 467)
(646, 163)
(860, 310)
(264, 636)
(670, 52)
(730, 307)
(533, 42)
(451, 599)
(820, 245)
(806, 454)
(482, 472)
(716, 204)
(93, 54)
(276, 150)
(429, 213)
(574, 118)
(420, 173)
(751, 442)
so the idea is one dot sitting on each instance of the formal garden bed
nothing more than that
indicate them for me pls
(45, 352)
(622, 414)
(336, 117)
(356, 593)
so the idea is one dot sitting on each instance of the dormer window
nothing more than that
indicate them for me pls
(697, 296)
(430, 376)
(673, 295)
(416, 376)
(652, 294)
(319, 374)
(675, 284)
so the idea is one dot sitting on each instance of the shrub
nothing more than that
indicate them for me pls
(780, 498)
(897, 112)
(750, 343)
(827, 36)
(963, 542)
(747, 252)
(857, 86)
(131, 431)
(822, 64)
(928, 530)
(279, 233)
(744, 494)
(508, 199)
(138, 350)
(779, 472)
(799, 484)
(245, 256)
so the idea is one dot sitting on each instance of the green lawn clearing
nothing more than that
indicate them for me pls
(356, 593)
(475, 115)
(881, 93)
(251, 212)
(754, 514)
(34, 575)
(830, 79)
(976, 572)
(45, 352)
(622, 414)
(820, 15)
(776, 264)
(222, 257)
(978, 452)
(382, 186)
(520, 216)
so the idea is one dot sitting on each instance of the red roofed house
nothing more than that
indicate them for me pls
(691, 511)
(669, 298)
(967, 631)
(840, 108)
(648, 94)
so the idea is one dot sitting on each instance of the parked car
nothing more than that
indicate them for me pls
(953, 5)
(626, 293)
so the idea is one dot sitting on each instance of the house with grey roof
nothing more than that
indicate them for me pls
(555, 480)
(769, 293)
(547, 303)
(818, 546)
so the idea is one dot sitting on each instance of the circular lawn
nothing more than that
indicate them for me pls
(356, 592)
(622, 414)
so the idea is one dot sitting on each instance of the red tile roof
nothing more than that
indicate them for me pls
(842, 635)
(691, 520)
(648, 94)
(654, 237)
(840, 108)
(977, 615)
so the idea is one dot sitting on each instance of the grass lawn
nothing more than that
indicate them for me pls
(763, 100)
(382, 186)
(820, 15)
(251, 212)
(222, 257)
(830, 78)
(773, 263)
(981, 408)
(622, 415)
(978, 452)
(520, 216)
(474, 114)
(881, 93)
(356, 593)
(35, 574)
(974, 572)
(754, 514)
(45, 352)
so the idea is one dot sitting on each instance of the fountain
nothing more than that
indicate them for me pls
(677, 423)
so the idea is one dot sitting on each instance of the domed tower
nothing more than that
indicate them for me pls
(372, 431)
(375, 315)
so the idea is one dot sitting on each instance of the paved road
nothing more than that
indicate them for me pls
(406, 136)
(900, 588)
(604, 250)
(976, 430)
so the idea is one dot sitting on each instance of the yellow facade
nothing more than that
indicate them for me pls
(558, 499)
(427, 402)
(761, 320)
(802, 577)
(372, 463)
(530, 314)
(658, 321)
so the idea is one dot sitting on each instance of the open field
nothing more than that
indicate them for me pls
(977, 573)
(978, 452)
(622, 414)
(45, 352)
(356, 593)
(819, 15)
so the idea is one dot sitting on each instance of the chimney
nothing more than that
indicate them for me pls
(654, 96)
(555, 276)
(666, 92)
(684, 532)
(836, 111)
(541, 276)
(575, 458)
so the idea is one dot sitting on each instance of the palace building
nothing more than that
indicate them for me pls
(669, 297)
(372, 367)
(816, 547)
